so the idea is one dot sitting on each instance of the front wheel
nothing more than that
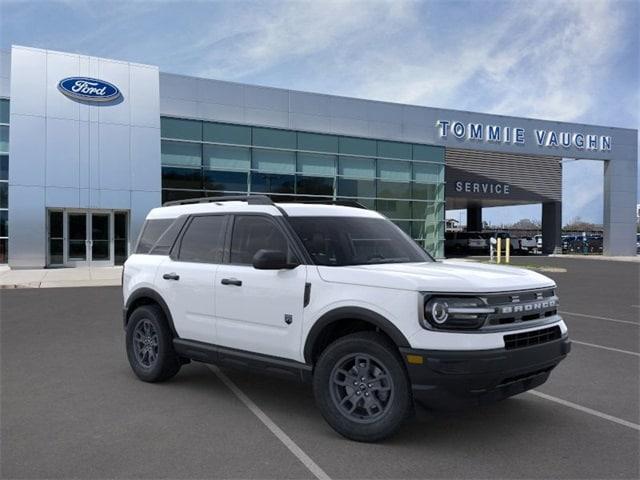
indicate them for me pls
(361, 387)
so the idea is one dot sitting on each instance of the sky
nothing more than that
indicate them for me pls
(566, 60)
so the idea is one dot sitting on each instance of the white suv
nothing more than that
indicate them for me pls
(338, 296)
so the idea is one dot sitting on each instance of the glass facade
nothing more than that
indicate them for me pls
(4, 180)
(403, 181)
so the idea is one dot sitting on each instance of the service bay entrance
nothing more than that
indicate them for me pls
(82, 238)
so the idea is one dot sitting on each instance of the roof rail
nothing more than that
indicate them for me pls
(250, 199)
(342, 203)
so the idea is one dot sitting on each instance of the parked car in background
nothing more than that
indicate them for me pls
(529, 245)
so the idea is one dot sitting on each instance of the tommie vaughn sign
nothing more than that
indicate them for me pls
(88, 89)
(516, 135)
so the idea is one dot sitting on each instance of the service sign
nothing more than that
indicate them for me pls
(88, 89)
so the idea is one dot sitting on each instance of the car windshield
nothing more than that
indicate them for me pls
(341, 241)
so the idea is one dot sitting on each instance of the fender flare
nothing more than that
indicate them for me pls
(157, 298)
(354, 313)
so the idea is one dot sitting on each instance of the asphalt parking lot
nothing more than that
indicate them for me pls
(71, 407)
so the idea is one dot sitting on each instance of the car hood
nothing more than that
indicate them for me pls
(443, 276)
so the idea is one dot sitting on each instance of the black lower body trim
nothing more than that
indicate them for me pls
(460, 378)
(229, 357)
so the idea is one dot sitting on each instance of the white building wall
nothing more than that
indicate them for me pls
(71, 154)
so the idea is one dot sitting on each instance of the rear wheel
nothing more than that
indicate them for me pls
(150, 345)
(361, 387)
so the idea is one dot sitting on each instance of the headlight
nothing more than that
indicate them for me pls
(455, 313)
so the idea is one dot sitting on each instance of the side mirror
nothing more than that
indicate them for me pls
(271, 260)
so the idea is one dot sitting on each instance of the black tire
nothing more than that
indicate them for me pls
(150, 345)
(388, 401)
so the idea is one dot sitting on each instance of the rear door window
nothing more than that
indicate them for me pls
(203, 240)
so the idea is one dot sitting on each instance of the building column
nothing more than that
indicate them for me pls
(620, 198)
(474, 219)
(552, 227)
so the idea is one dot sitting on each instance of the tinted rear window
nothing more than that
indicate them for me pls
(151, 232)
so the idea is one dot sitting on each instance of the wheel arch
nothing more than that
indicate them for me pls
(148, 296)
(330, 319)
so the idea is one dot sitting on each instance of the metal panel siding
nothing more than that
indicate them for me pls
(541, 176)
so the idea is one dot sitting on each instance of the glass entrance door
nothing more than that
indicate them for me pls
(82, 238)
(77, 238)
(100, 241)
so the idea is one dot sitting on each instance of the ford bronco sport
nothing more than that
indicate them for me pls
(339, 296)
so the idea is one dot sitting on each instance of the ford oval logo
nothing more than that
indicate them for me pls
(89, 89)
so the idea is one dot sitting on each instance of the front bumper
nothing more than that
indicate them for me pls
(450, 379)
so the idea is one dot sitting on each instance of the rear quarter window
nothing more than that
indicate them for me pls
(151, 232)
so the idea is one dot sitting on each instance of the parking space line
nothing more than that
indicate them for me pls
(628, 352)
(590, 411)
(270, 424)
(600, 318)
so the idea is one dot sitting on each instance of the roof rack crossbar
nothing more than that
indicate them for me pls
(250, 199)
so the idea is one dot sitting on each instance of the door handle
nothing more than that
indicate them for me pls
(171, 276)
(231, 281)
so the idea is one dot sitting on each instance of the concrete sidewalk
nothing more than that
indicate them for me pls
(61, 277)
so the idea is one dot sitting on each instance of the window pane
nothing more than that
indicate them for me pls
(431, 212)
(231, 181)
(183, 129)
(357, 167)
(181, 178)
(55, 224)
(428, 153)
(394, 208)
(271, 137)
(227, 158)
(4, 256)
(274, 161)
(56, 252)
(425, 191)
(392, 170)
(223, 133)
(316, 164)
(317, 143)
(151, 233)
(314, 185)
(179, 153)
(427, 172)
(203, 241)
(4, 223)
(4, 167)
(393, 189)
(4, 139)
(358, 146)
(4, 195)
(356, 188)
(253, 233)
(269, 183)
(4, 111)
(174, 195)
(394, 150)
(120, 243)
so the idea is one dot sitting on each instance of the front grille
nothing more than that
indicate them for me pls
(524, 307)
(534, 337)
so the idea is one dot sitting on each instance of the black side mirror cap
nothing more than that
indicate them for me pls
(271, 260)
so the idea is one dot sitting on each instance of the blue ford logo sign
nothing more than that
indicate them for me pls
(89, 89)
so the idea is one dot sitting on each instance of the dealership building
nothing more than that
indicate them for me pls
(89, 145)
